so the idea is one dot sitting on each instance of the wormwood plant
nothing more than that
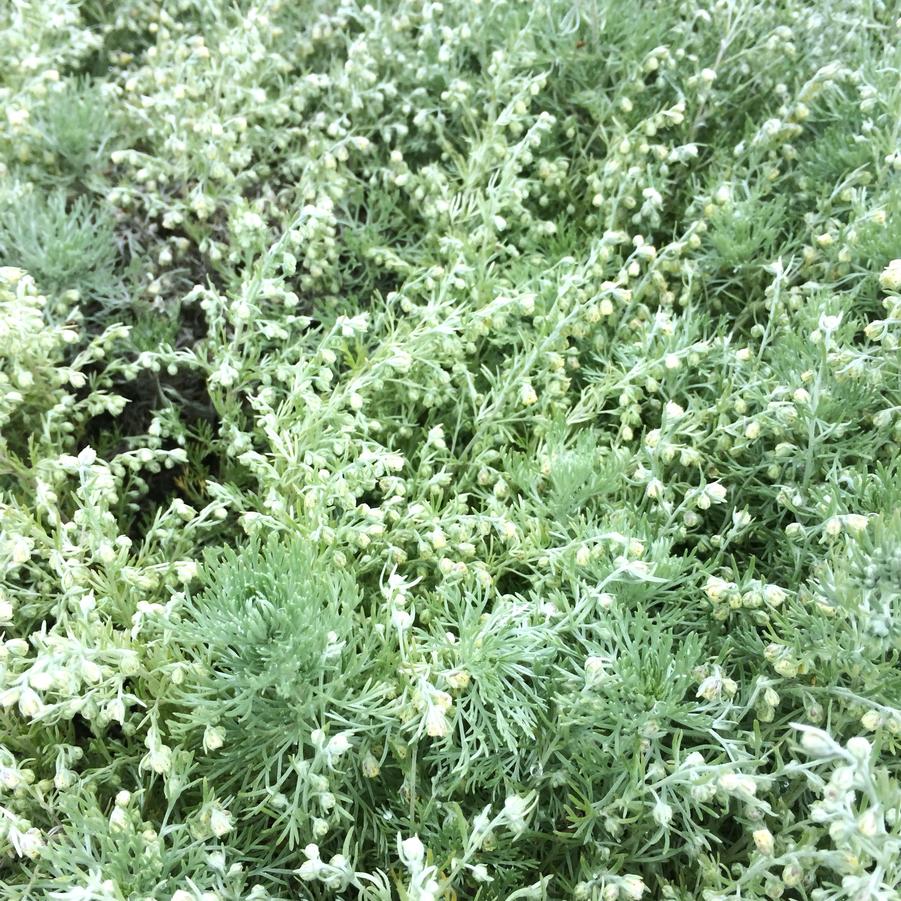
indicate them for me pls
(59, 243)
(450, 450)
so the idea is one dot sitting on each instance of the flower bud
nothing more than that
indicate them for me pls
(412, 850)
(764, 841)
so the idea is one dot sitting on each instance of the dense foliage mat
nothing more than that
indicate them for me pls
(450, 450)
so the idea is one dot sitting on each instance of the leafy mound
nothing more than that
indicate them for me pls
(450, 449)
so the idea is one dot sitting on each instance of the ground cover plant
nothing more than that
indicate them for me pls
(450, 450)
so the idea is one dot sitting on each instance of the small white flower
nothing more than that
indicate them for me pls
(8, 697)
(11, 778)
(158, 759)
(118, 820)
(213, 738)
(763, 839)
(338, 745)
(516, 808)
(412, 850)
(436, 438)
(595, 669)
(655, 488)
(400, 360)
(17, 116)
(833, 526)
(313, 865)
(870, 823)
(91, 671)
(818, 743)
(828, 324)
(436, 723)
(252, 221)
(711, 688)
(11, 274)
(458, 679)
(890, 278)
(18, 647)
(693, 760)
(87, 456)
(30, 703)
(737, 784)
(371, 768)
(225, 375)
(716, 588)
(21, 549)
(741, 519)
(633, 887)
(401, 619)
(220, 821)
(639, 569)
(527, 395)
(27, 844)
(42, 680)
(856, 522)
(663, 814)
(871, 720)
(394, 462)
(186, 571)
(480, 873)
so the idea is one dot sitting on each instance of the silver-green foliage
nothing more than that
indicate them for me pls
(450, 450)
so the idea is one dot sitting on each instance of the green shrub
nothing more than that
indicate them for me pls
(449, 450)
